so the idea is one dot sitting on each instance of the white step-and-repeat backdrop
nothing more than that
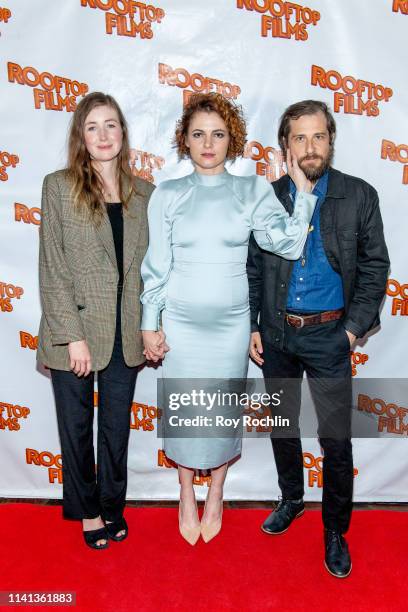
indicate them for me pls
(265, 54)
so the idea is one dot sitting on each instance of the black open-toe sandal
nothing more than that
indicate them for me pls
(91, 538)
(115, 527)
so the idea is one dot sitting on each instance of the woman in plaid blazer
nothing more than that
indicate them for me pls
(93, 237)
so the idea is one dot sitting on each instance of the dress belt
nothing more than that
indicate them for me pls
(295, 320)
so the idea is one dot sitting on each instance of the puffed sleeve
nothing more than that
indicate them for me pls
(157, 263)
(273, 228)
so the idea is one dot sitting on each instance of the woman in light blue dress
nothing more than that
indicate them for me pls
(195, 279)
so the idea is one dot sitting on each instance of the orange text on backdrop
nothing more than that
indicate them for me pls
(352, 96)
(5, 14)
(143, 416)
(28, 341)
(7, 160)
(180, 77)
(357, 359)
(27, 215)
(269, 161)
(10, 415)
(399, 153)
(164, 461)
(400, 6)
(315, 467)
(129, 18)
(399, 293)
(56, 92)
(391, 417)
(285, 19)
(46, 459)
(9, 292)
(142, 164)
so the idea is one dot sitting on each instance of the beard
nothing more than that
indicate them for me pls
(313, 173)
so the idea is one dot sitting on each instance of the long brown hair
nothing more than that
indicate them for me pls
(87, 184)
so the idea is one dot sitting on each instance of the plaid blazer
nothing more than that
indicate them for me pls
(79, 277)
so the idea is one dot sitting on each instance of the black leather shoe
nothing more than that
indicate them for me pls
(337, 560)
(285, 512)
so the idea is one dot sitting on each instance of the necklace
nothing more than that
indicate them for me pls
(109, 195)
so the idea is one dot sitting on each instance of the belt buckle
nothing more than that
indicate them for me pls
(301, 319)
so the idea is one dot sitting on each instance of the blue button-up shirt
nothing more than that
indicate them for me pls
(314, 285)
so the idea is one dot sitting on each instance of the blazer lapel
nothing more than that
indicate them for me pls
(104, 232)
(131, 231)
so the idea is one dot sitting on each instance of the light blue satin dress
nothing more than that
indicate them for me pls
(194, 276)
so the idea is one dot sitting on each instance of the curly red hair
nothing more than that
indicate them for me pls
(229, 112)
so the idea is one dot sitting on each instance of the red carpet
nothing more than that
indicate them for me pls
(242, 569)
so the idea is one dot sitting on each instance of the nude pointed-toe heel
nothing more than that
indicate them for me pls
(190, 534)
(210, 530)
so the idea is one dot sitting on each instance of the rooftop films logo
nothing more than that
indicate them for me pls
(352, 96)
(357, 359)
(400, 6)
(7, 161)
(46, 459)
(285, 19)
(391, 417)
(9, 292)
(11, 414)
(399, 294)
(143, 416)
(195, 83)
(51, 92)
(29, 341)
(126, 17)
(5, 14)
(25, 214)
(269, 161)
(314, 465)
(142, 164)
(398, 153)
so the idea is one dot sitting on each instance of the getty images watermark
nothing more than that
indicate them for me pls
(210, 410)
(283, 408)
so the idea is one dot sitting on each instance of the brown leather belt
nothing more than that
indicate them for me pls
(314, 319)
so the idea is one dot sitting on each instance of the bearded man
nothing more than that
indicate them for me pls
(311, 312)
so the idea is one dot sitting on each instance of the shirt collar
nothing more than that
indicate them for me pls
(320, 189)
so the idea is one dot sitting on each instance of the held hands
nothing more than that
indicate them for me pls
(79, 358)
(296, 174)
(256, 348)
(155, 345)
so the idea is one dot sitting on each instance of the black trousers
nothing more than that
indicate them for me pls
(323, 352)
(88, 493)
